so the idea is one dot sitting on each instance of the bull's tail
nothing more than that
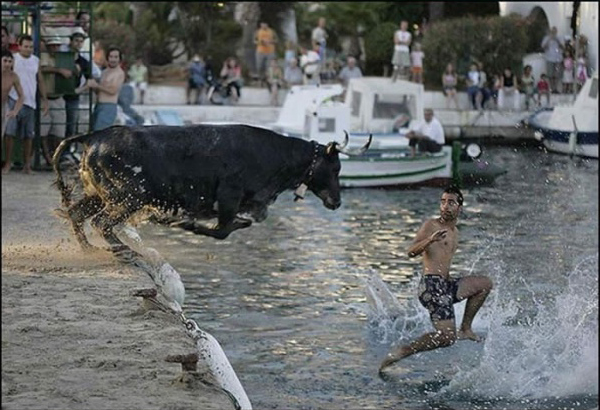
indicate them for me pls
(65, 189)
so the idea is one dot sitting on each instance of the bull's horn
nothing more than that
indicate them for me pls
(358, 151)
(345, 143)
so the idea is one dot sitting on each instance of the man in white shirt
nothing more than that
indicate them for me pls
(319, 36)
(310, 64)
(27, 67)
(428, 136)
(401, 57)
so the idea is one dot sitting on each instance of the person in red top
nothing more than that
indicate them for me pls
(6, 41)
(543, 87)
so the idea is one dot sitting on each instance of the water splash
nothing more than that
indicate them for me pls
(554, 353)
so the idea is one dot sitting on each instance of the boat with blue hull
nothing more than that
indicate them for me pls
(571, 129)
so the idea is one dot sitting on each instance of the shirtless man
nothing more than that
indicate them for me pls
(107, 90)
(437, 240)
(9, 80)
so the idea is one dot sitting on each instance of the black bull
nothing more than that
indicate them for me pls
(192, 173)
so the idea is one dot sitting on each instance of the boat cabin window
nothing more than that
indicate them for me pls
(388, 106)
(326, 124)
(355, 103)
(594, 89)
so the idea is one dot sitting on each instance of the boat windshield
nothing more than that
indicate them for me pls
(390, 106)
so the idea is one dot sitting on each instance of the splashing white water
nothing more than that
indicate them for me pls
(554, 353)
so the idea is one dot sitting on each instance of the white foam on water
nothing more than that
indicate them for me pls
(552, 354)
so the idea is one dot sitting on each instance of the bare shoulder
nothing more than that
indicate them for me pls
(428, 227)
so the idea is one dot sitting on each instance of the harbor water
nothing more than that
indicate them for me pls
(307, 303)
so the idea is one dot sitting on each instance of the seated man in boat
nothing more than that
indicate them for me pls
(428, 136)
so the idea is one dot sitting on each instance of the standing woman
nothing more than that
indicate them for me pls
(449, 80)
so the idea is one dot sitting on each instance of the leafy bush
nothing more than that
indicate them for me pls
(111, 33)
(497, 42)
(379, 47)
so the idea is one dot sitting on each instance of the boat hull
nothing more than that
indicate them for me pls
(569, 141)
(380, 168)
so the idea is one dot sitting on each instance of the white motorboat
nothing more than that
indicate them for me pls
(384, 109)
(571, 129)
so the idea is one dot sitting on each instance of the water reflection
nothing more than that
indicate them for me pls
(286, 298)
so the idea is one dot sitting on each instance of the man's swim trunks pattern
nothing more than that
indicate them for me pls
(438, 296)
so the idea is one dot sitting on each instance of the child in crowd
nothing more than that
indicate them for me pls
(528, 86)
(543, 88)
(416, 59)
(568, 67)
(581, 70)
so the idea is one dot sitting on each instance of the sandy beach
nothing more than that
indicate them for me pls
(72, 336)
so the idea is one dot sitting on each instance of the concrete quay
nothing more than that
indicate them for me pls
(254, 107)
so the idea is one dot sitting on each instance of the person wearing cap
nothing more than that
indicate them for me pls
(53, 124)
(82, 74)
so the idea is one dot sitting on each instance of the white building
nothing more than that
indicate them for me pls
(558, 14)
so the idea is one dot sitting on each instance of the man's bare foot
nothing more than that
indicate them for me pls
(394, 356)
(6, 168)
(468, 334)
(28, 170)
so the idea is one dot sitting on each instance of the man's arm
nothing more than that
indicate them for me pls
(42, 88)
(424, 238)
(54, 70)
(20, 98)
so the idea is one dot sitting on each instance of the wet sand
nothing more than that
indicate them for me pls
(72, 336)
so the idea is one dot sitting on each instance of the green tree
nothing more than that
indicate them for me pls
(497, 42)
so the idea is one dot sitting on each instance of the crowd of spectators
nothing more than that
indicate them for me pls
(102, 76)
(69, 66)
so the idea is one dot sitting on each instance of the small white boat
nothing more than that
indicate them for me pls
(571, 129)
(384, 109)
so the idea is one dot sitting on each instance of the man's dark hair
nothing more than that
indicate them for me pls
(25, 37)
(113, 48)
(5, 30)
(6, 53)
(453, 189)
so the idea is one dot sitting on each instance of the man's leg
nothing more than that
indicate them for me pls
(8, 147)
(27, 150)
(444, 336)
(412, 143)
(475, 289)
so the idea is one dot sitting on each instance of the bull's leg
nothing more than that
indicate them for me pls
(104, 222)
(77, 213)
(216, 232)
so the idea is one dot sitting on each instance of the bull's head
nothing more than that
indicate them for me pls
(324, 174)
